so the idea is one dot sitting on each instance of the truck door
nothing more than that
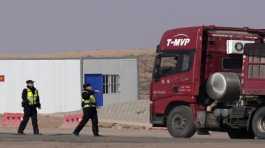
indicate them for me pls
(253, 71)
(173, 74)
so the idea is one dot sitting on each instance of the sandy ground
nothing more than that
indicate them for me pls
(117, 138)
(125, 145)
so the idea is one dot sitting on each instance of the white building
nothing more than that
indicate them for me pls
(59, 82)
(120, 78)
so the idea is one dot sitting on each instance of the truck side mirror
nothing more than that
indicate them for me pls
(158, 48)
(156, 74)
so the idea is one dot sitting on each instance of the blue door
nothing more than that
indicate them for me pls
(96, 81)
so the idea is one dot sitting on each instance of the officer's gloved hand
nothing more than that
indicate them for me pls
(39, 106)
(24, 104)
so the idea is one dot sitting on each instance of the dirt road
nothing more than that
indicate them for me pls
(118, 138)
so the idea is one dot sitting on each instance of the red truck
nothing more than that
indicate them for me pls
(210, 78)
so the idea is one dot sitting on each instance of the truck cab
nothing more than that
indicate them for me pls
(209, 78)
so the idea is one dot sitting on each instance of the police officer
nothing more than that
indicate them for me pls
(89, 110)
(30, 101)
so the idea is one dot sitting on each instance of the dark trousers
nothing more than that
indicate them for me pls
(88, 113)
(29, 112)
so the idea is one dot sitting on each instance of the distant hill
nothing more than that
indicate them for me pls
(75, 54)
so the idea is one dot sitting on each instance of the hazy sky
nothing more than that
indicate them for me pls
(113, 24)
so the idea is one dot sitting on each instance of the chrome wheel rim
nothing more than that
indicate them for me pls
(261, 125)
(179, 122)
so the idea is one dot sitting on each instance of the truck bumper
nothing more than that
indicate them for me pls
(157, 120)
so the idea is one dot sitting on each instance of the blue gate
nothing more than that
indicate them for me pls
(96, 81)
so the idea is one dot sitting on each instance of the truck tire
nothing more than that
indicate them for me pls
(180, 122)
(240, 134)
(223, 87)
(258, 123)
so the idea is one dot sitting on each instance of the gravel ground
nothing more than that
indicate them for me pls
(117, 138)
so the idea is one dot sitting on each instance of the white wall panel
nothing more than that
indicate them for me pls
(58, 82)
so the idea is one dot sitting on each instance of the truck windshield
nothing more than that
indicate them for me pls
(168, 64)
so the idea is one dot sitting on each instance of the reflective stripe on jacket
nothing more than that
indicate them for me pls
(90, 101)
(32, 97)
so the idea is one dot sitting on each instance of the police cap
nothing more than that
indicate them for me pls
(29, 81)
(86, 85)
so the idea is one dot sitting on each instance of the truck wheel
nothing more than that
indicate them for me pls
(258, 123)
(240, 134)
(180, 122)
